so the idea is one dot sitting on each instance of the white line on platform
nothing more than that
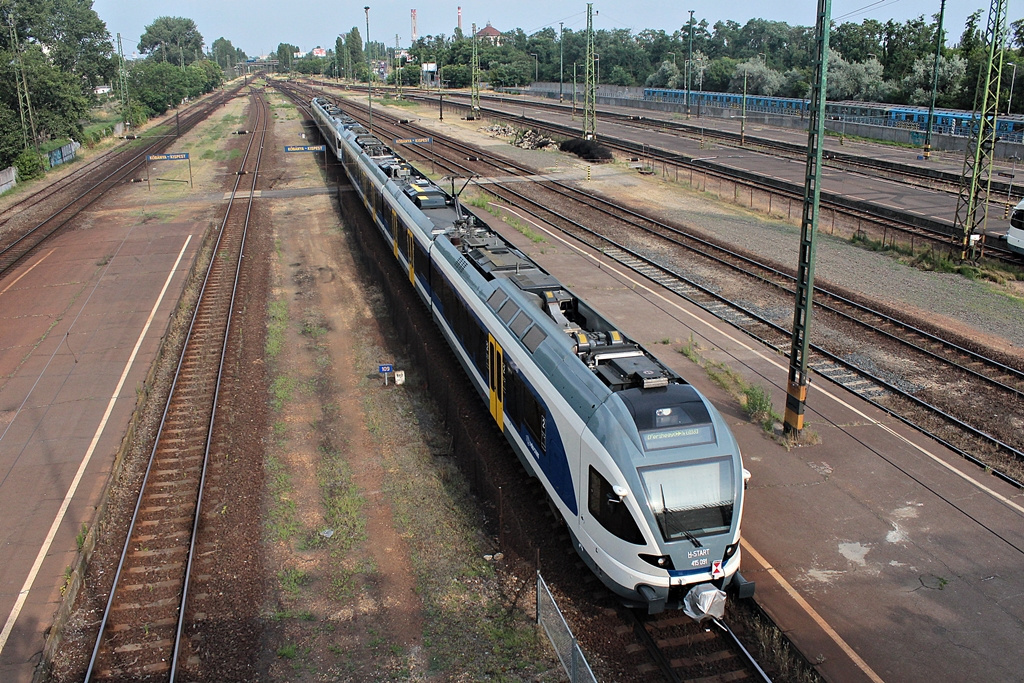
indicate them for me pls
(29, 270)
(45, 549)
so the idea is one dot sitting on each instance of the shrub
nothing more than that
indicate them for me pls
(30, 165)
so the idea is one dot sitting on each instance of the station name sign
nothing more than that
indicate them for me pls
(177, 156)
(414, 141)
(304, 148)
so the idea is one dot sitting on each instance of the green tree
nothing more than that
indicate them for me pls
(286, 55)
(74, 37)
(11, 141)
(916, 87)
(225, 54)
(172, 39)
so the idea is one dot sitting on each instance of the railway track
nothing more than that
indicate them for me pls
(942, 363)
(703, 651)
(39, 215)
(884, 222)
(681, 650)
(143, 633)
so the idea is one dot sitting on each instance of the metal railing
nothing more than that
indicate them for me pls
(561, 636)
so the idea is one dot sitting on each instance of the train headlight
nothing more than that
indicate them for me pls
(660, 561)
(730, 550)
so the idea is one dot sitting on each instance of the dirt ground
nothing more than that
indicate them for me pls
(380, 566)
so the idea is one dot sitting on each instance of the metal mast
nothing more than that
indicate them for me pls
(590, 89)
(474, 78)
(935, 82)
(24, 101)
(976, 179)
(398, 71)
(122, 80)
(796, 389)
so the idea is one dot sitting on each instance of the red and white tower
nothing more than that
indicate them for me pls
(414, 34)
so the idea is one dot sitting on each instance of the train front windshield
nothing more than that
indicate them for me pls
(691, 499)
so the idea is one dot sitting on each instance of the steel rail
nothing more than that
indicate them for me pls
(14, 251)
(609, 208)
(824, 353)
(189, 337)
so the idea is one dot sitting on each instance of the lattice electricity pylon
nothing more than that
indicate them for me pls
(122, 81)
(24, 101)
(796, 388)
(474, 77)
(976, 179)
(590, 89)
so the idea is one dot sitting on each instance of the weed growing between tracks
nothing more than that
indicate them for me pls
(376, 549)
(928, 259)
(753, 398)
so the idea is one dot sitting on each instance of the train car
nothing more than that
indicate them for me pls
(1015, 233)
(642, 468)
(1009, 127)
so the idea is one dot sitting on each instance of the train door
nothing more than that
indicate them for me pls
(496, 380)
(410, 251)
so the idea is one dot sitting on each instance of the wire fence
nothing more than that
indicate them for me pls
(561, 636)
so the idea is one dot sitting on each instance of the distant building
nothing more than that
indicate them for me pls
(319, 52)
(490, 34)
(102, 89)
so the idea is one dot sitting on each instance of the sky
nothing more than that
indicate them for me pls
(258, 26)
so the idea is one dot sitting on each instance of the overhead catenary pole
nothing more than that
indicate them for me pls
(369, 70)
(474, 76)
(935, 83)
(398, 71)
(976, 178)
(689, 67)
(561, 59)
(590, 88)
(122, 82)
(796, 387)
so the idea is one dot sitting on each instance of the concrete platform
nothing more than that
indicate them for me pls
(80, 324)
(883, 556)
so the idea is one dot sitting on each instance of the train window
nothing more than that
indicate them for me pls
(513, 388)
(534, 338)
(535, 420)
(672, 417)
(420, 258)
(692, 499)
(520, 324)
(496, 299)
(610, 510)
(403, 247)
(508, 310)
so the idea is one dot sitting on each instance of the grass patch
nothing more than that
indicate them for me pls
(83, 533)
(282, 516)
(292, 580)
(525, 230)
(941, 262)
(477, 623)
(754, 399)
(281, 390)
(288, 651)
(277, 326)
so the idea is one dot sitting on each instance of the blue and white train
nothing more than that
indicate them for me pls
(1015, 233)
(1010, 128)
(643, 469)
